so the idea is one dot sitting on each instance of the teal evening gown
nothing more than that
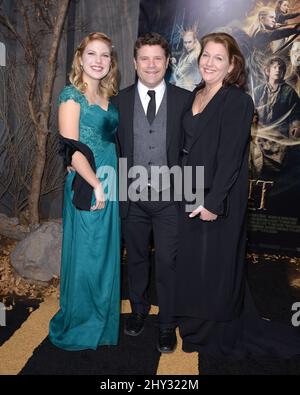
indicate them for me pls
(90, 265)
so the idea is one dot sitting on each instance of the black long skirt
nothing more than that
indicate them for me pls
(215, 310)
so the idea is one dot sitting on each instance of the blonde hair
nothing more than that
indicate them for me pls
(258, 25)
(108, 86)
(192, 29)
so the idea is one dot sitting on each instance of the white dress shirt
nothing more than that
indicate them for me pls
(145, 98)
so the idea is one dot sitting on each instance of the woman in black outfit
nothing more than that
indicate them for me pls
(215, 311)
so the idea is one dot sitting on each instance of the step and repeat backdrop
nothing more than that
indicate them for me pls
(268, 35)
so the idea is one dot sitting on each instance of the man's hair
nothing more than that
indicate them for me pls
(264, 11)
(192, 29)
(151, 39)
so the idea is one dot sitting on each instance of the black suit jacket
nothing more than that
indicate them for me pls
(220, 144)
(177, 99)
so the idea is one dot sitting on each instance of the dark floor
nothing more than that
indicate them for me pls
(270, 287)
(271, 290)
(19, 311)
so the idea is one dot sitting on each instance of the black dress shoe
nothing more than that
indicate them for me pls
(167, 340)
(134, 324)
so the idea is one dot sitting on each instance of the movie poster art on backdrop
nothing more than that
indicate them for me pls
(268, 35)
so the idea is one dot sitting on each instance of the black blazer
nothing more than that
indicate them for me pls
(220, 144)
(177, 99)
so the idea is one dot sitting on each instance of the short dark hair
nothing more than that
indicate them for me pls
(271, 61)
(151, 39)
(238, 75)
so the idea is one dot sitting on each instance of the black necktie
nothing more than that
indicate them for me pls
(151, 110)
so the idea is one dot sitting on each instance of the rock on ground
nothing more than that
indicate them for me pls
(38, 256)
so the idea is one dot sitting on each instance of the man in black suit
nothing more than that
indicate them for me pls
(149, 134)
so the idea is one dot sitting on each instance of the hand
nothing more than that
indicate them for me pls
(205, 215)
(100, 198)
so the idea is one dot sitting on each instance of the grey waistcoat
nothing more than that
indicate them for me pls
(149, 148)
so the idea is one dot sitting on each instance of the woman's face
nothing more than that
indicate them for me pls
(96, 60)
(214, 63)
(284, 7)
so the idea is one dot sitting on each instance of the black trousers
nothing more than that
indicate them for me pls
(142, 218)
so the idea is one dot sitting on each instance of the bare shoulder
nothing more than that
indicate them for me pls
(69, 105)
(68, 115)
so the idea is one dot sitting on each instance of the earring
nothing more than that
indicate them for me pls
(81, 67)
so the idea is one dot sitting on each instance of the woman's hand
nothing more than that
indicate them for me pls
(205, 215)
(100, 198)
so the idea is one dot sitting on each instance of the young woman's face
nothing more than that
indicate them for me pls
(214, 63)
(284, 7)
(96, 60)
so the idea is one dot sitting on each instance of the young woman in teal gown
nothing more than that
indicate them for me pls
(90, 265)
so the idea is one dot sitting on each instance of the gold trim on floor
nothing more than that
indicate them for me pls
(16, 351)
